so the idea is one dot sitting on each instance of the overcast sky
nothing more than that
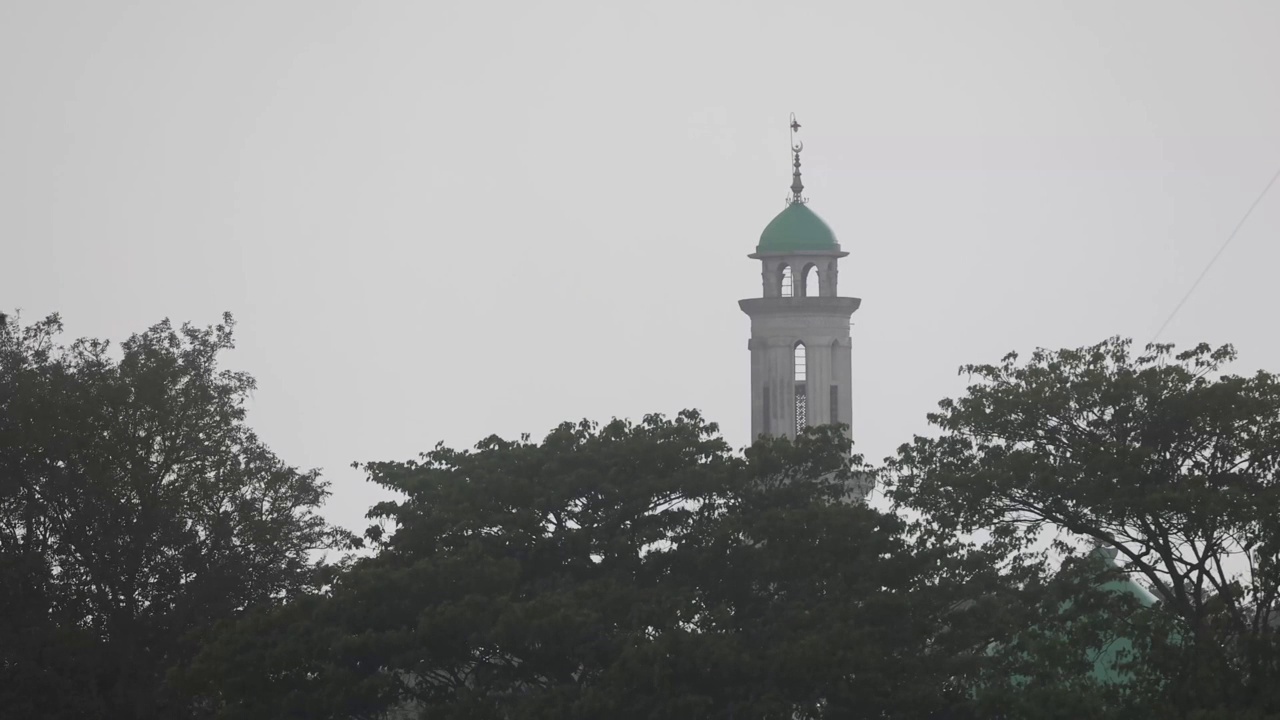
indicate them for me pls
(436, 221)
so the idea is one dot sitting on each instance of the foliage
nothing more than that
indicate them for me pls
(625, 571)
(157, 560)
(136, 510)
(1161, 456)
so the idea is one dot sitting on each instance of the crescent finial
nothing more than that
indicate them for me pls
(797, 187)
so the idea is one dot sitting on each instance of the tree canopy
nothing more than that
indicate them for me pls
(630, 571)
(157, 560)
(136, 510)
(1162, 456)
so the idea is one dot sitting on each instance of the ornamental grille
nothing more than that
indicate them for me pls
(802, 409)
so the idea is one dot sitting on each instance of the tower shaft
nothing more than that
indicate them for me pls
(801, 364)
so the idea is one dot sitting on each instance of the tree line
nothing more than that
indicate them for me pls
(1084, 533)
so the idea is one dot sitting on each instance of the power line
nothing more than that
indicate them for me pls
(1216, 255)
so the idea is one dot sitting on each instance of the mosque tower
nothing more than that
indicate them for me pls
(801, 368)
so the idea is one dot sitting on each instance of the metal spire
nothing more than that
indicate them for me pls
(797, 187)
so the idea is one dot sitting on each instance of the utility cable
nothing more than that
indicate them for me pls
(1216, 255)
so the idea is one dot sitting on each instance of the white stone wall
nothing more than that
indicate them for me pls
(820, 322)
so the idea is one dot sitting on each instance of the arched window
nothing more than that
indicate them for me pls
(835, 389)
(802, 397)
(809, 287)
(786, 281)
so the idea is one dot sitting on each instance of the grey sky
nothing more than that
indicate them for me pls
(437, 221)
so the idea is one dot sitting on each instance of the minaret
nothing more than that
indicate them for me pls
(800, 352)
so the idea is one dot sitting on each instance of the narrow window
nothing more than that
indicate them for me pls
(764, 410)
(835, 404)
(802, 400)
(786, 281)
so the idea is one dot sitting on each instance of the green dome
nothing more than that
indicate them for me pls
(797, 229)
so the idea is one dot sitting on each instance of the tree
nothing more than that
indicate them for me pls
(136, 510)
(624, 571)
(1161, 456)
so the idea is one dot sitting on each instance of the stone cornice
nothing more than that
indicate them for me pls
(801, 307)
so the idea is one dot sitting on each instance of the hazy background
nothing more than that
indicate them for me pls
(442, 220)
